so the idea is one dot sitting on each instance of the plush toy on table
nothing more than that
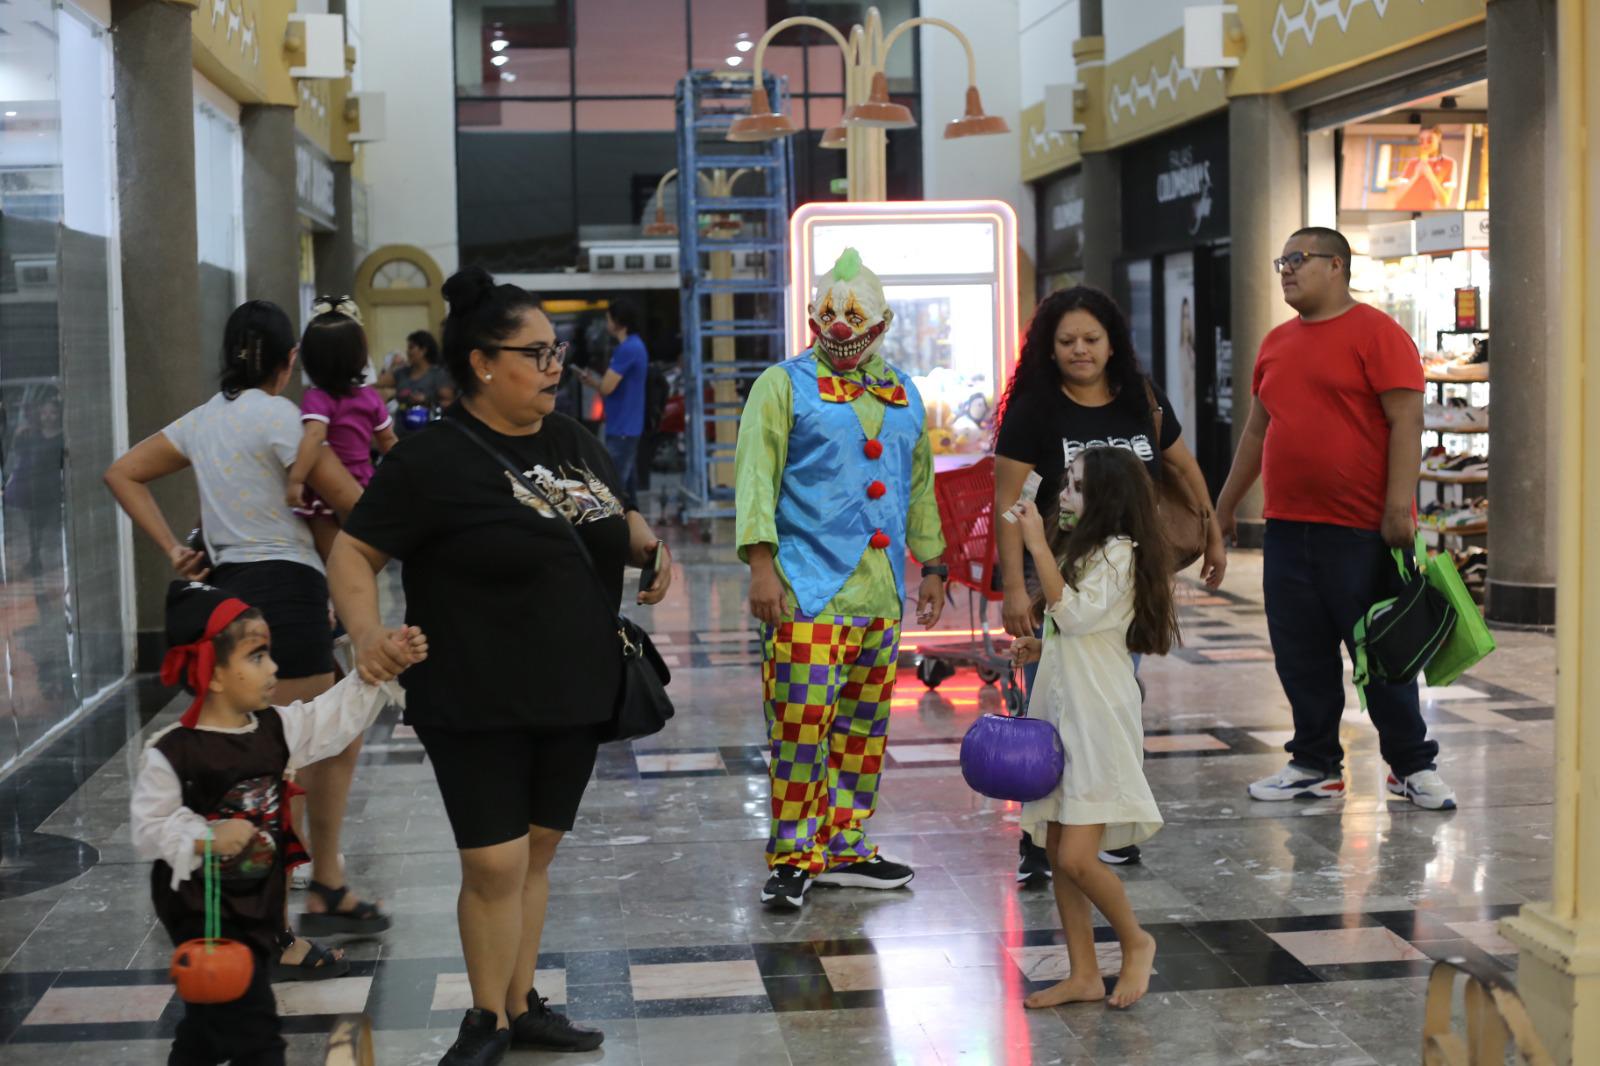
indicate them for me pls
(834, 483)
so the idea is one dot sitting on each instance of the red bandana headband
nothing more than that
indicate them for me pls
(195, 663)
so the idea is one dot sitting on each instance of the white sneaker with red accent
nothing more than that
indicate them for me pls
(1297, 782)
(1426, 789)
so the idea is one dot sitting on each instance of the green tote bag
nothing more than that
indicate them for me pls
(1470, 639)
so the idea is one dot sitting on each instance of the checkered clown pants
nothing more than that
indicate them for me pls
(826, 684)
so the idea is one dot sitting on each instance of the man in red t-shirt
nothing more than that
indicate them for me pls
(1335, 432)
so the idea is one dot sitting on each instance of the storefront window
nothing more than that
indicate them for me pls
(62, 552)
(219, 220)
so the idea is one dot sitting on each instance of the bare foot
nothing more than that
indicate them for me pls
(1137, 962)
(1072, 990)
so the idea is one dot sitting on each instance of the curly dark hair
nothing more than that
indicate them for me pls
(1119, 500)
(1037, 373)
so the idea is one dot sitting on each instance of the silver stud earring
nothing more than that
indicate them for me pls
(488, 377)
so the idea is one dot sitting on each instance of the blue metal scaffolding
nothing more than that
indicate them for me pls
(732, 303)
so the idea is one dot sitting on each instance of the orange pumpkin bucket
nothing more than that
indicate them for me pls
(211, 969)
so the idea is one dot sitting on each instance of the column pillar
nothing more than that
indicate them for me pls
(1266, 204)
(1523, 311)
(271, 221)
(167, 373)
(336, 252)
(1102, 170)
(1558, 975)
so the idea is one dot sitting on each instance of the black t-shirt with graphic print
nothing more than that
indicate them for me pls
(1047, 431)
(518, 631)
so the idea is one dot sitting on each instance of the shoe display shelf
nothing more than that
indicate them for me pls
(1452, 503)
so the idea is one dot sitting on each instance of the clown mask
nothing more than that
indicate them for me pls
(849, 314)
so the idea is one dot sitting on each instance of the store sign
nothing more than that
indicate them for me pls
(1392, 240)
(1061, 224)
(1468, 306)
(1451, 231)
(1175, 188)
(313, 185)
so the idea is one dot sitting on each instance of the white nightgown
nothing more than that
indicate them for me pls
(1086, 689)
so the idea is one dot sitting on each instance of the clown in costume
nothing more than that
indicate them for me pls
(834, 482)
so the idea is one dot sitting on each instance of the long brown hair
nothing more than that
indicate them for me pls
(1120, 501)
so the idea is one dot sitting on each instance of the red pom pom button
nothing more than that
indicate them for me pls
(876, 490)
(873, 448)
(880, 540)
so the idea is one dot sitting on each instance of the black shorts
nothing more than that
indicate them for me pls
(293, 598)
(497, 782)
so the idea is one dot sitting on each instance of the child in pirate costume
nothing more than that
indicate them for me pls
(217, 776)
(834, 482)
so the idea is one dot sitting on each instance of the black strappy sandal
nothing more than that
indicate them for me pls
(320, 964)
(364, 919)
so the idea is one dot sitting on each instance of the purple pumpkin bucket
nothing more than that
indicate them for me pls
(1012, 758)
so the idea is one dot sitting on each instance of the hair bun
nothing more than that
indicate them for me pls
(468, 289)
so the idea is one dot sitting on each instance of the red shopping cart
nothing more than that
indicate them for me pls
(966, 515)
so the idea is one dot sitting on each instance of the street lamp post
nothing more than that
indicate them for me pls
(869, 111)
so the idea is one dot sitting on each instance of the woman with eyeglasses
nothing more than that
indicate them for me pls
(523, 676)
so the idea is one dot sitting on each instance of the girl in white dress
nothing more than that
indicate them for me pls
(1107, 591)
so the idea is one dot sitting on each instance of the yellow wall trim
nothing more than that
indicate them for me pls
(1045, 151)
(1292, 42)
(238, 44)
(1150, 90)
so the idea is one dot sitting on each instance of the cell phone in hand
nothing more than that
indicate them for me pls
(647, 577)
(1030, 489)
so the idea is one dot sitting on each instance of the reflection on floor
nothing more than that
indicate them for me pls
(1287, 932)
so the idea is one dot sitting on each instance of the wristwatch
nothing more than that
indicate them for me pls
(938, 570)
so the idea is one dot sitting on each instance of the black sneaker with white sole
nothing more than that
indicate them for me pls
(1034, 864)
(876, 872)
(786, 888)
(1128, 856)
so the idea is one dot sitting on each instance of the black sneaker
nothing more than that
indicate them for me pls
(1035, 864)
(479, 1043)
(1128, 856)
(542, 1029)
(786, 888)
(876, 872)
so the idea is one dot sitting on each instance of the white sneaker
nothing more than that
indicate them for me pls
(1296, 782)
(1426, 789)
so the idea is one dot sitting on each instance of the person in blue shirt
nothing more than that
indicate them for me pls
(623, 386)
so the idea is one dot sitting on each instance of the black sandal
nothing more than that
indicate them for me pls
(320, 964)
(364, 919)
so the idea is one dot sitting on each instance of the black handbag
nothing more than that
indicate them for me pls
(643, 706)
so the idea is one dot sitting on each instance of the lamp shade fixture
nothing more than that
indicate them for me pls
(975, 123)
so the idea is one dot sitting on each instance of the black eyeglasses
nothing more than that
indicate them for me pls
(546, 356)
(1295, 260)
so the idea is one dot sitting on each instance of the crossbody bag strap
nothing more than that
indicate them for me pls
(522, 479)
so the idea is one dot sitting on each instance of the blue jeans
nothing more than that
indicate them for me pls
(624, 456)
(1318, 580)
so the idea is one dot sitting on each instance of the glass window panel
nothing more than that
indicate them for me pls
(521, 49)
(516, 207)
(824, 69)
(618, 171)
(824, 111)
(526, 116)
(625, 48)
(606, 116)
(719, 27)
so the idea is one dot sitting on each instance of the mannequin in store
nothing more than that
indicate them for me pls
(834, 482)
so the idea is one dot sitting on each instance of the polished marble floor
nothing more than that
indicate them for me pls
(1288, 933)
